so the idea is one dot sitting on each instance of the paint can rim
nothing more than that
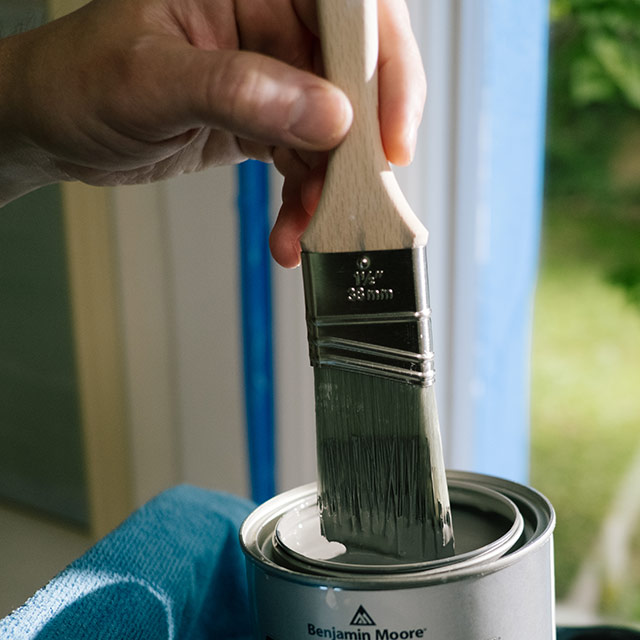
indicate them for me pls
(300, 526)
(256, 537)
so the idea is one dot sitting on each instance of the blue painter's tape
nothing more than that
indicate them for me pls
(514, 92)
(255, 267)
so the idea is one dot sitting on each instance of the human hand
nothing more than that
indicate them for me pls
(125, 92)
(401, 96)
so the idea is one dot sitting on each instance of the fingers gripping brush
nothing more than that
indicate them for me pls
(381, 478)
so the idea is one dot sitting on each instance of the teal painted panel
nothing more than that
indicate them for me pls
(19, 15)
(41, 448)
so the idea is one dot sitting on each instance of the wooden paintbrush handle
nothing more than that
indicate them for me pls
(362, 207)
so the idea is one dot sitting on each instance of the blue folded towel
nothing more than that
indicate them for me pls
(173, 570)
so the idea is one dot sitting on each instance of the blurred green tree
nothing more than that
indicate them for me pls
(591, 235)
(597, 44)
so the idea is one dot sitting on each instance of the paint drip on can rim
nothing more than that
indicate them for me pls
(498, 585)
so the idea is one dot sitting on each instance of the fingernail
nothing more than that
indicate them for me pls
(320, 117)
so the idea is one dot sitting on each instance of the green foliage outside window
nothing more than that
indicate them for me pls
(586, 355)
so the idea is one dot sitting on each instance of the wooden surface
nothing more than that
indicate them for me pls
(362, 206)
(98, 343)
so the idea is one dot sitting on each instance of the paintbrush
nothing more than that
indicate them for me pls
(381, 479)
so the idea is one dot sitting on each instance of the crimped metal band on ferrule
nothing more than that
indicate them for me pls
(369, 312)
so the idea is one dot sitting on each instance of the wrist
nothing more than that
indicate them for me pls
(23, 166)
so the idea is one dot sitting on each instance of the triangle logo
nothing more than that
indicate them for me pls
(362, 618)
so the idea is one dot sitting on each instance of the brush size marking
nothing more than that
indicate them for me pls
(366, 284)
(368, 277)
(362, 294)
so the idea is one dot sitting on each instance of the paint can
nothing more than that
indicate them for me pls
(498, 585)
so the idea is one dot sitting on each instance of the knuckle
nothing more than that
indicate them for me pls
(238, 85)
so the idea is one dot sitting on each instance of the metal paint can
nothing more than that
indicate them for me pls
(498, 585)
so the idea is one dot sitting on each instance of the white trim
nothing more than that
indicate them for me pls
(294, 401)
(142, 261)
(180, 311)
(202, 236)
(468, 183)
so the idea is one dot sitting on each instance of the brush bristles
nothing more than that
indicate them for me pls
(381, 476)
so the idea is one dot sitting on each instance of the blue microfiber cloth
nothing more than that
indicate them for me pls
(173, 570)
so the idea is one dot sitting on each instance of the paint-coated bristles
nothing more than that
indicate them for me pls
(382, 485)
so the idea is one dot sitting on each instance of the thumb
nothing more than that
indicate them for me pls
(263, 99)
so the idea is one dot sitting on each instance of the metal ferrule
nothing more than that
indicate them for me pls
(368, 312)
